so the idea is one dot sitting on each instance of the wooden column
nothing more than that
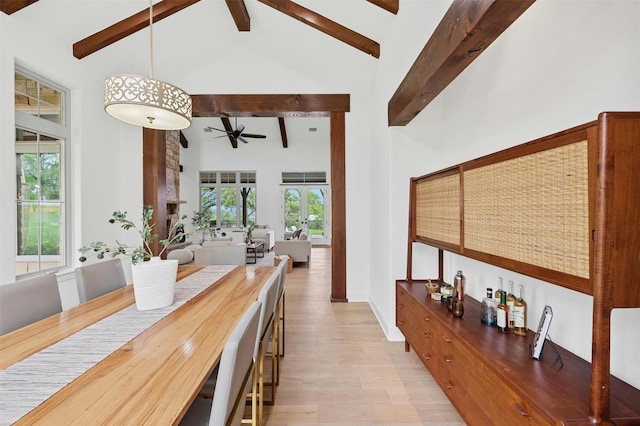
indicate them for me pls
(338, 209)
(154, 181)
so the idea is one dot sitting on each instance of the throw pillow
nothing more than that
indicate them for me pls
(303, 236)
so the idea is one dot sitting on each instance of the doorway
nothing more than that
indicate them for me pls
(307, 208)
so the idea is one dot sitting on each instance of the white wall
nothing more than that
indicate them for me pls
(558, 66)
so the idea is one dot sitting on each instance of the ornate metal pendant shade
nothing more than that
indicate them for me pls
(145, 102)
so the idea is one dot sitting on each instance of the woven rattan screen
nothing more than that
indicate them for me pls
(438, 209)
(532, 209)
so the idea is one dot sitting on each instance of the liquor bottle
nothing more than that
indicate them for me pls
(459, 283)
(520, 314)
(488, 309)
(502, 314)
(498, 291)
(511, 301)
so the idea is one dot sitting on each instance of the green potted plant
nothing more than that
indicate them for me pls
(202, 222)
(153, 281)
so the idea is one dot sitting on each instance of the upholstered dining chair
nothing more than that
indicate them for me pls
(99, 278)
(267, 297)
(235, 372)
(28, 301)
(280, 313)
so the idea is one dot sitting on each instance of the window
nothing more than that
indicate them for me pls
(230, 197)
(40, 139)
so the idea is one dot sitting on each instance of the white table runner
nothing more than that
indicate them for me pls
(28, 383)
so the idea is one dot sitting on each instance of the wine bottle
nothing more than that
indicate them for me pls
(511, 301)
(520, 314)
(502, 314)
(498, 291)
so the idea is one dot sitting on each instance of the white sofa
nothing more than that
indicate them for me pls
(299, 249)
(264, 235)
(220, 253)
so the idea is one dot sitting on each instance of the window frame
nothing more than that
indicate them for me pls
(62, 132)
(217, 181)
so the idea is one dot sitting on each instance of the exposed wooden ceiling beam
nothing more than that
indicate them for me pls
(127, 26)
(465, 31)
(388, 5)
(12, 6)
(320, 105)
(240, 15)
(325, 25)
(283, 132)
(183, 140)
(227, 126)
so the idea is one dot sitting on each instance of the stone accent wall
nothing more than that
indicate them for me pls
(173, 165)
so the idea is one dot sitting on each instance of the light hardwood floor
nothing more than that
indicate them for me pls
(339, 369)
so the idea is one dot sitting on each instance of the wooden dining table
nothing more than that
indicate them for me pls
(152, 378)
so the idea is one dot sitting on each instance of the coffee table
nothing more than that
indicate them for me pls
(253, 248)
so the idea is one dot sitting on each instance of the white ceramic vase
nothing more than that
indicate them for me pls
(154, 283)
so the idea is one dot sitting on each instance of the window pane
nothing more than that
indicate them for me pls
(251, 206)
(39, 207)
(35, 98)
(208, 201)
(228, 208)
(50, 104)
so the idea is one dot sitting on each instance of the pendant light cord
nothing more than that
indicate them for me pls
(151, 38)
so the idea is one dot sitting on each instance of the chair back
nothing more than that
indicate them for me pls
(27, 301)
(282, 270)
(268, 296)
(99, 278)
(235, 368)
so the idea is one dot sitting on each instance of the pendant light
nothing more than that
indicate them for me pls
(145, 102)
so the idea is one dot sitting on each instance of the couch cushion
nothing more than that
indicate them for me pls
(183, 256)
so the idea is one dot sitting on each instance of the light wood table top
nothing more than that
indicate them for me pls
(153, 378)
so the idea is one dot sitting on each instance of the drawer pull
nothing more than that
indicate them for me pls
(400, 322)
(521, 410)
(427, 335)
(427, 357)
(447, 359)
(400, 292)
(448, 385)
(446, 339)
(400, 305)
(427, 319)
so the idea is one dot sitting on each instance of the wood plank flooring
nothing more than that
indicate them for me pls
(339, 369)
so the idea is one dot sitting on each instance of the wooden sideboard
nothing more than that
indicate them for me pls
(563, 209)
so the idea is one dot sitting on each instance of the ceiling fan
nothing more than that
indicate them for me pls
(238, 133)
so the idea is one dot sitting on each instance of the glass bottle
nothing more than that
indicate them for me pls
(511, 300)
(520, 314)
(502, 314)
(459, 284)
(488, 309)
(498, 291)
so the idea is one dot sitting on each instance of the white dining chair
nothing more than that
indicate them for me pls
(280, 314)
(99, 278)
(27, 301)
(235, 372)
(267, 297)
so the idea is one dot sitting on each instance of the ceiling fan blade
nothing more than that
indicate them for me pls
(213, 128)
(251, 135)
(240, 138)
(240, 128)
